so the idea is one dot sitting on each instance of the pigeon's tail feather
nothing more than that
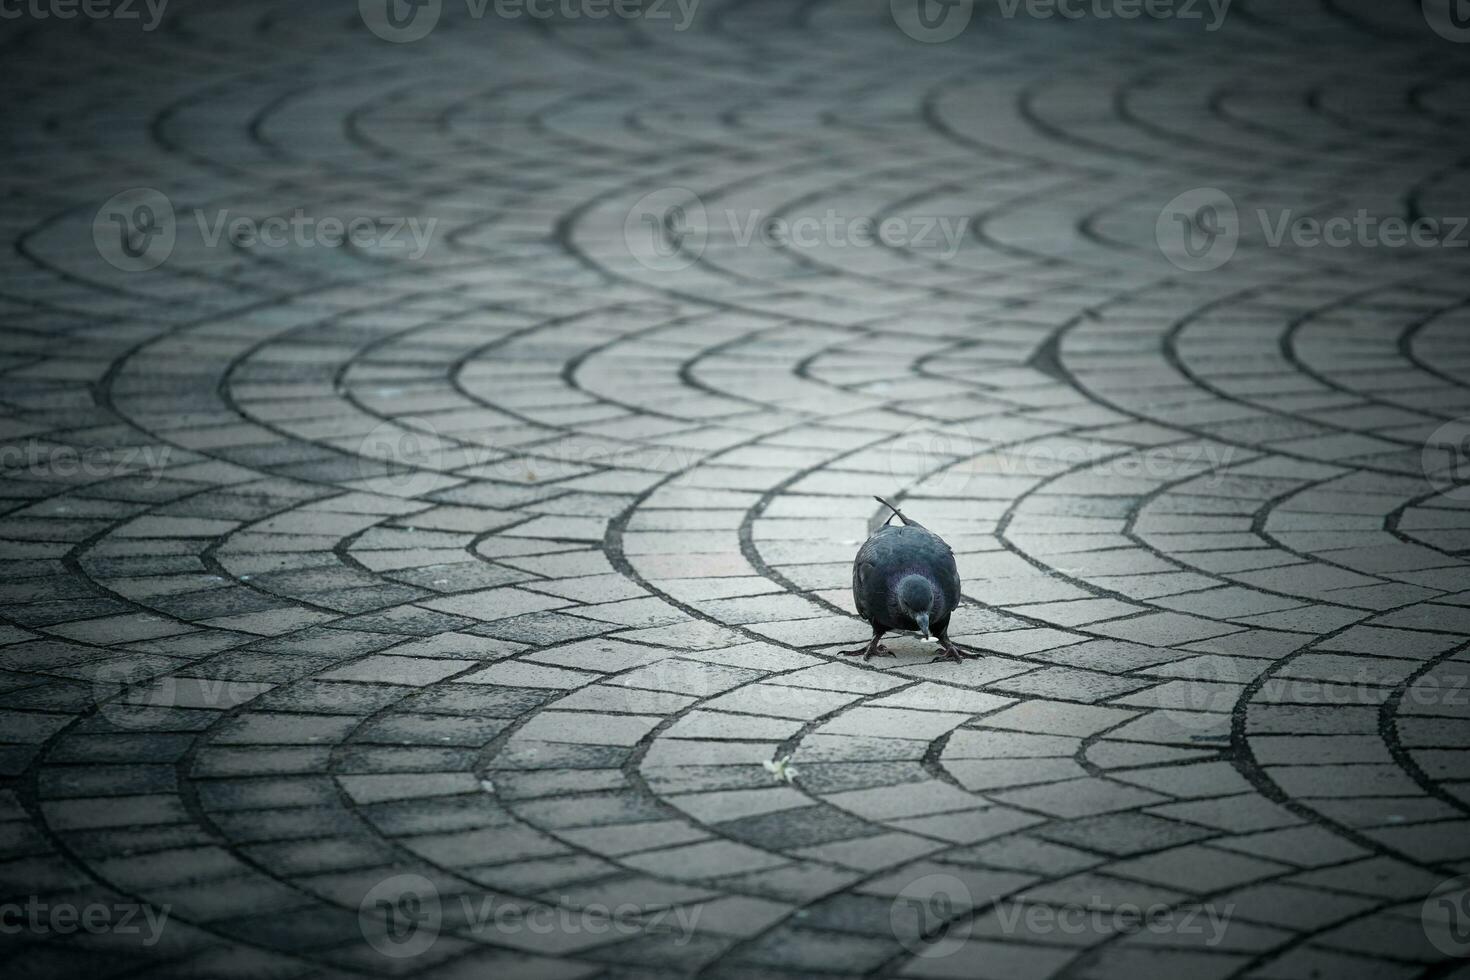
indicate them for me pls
(896, 512)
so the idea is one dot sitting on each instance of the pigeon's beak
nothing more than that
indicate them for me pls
(923, 620)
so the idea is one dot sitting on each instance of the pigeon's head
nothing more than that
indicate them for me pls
(916, 600)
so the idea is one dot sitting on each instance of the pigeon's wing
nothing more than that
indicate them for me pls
(870, 569)
(861, 572)
(947, 574)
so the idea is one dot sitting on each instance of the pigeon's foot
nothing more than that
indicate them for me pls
(868, 652)
(953, 654)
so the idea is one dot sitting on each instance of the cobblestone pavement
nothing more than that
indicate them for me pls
(417, 582)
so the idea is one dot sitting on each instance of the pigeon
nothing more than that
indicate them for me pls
(904, 578)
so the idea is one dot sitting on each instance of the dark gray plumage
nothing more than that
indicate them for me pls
(904, 578)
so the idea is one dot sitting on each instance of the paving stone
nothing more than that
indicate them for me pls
(518, 557)
(994, 960)
(1196, 868)
(871, 853)
(705, 860)
(893, 723)
(912, 799)
(808, 949)
(1057, 718)
(566, 726)
(398, 670)
(1078, 797)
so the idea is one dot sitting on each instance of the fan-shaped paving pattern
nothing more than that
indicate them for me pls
(506, 560)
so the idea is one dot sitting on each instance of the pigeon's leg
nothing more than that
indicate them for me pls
(952, 653)
(873, 649)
